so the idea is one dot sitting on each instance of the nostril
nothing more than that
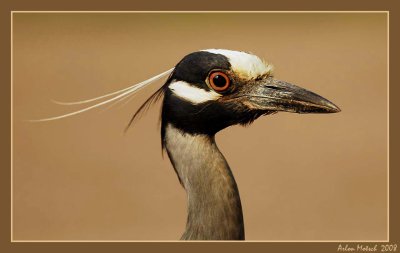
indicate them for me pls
(273, 87)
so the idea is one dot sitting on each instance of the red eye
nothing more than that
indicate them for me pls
(219, 81)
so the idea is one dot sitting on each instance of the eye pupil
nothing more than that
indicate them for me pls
(219, 81)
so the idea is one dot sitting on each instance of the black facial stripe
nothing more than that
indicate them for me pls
(206, 118)
(195, 67)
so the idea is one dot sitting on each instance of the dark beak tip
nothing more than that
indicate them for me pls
(332, 108)
(337, 110)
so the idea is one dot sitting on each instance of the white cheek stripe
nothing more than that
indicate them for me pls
(192, 93)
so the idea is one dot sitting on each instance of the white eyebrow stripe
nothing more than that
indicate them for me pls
(244, 64)
(192, 93)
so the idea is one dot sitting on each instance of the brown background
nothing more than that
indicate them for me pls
(301, 177)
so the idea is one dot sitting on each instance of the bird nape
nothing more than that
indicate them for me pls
(206, 92)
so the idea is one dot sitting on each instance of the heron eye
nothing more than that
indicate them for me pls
(219, 81)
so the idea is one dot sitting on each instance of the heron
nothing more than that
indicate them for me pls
(206, 92)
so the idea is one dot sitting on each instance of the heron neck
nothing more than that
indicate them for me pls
(214, 207)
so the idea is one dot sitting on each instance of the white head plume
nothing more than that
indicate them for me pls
(118, 95)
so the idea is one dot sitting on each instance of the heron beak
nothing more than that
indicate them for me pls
(274, 95)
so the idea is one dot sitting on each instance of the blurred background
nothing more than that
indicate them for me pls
(301, 177)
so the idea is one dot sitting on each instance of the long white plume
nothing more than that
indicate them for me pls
(124, 93)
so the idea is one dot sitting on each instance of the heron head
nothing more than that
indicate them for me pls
(212, 89)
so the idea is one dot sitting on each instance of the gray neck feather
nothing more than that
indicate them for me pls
(214, 208)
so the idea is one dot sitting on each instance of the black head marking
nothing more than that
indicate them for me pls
(203, 118)
(195, 67)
